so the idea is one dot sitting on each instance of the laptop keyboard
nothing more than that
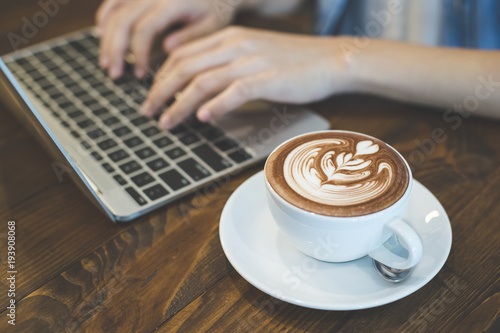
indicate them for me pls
(103, 116)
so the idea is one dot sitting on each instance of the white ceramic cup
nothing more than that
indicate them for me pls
(340, 239)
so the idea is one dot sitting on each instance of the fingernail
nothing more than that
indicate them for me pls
(166, 123)
(114, 72)
(146, 109)
(139, 73)
(171, 43)
(204, 115)
(103, 62)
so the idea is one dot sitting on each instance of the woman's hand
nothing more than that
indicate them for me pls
(135, 23)
(220, 72)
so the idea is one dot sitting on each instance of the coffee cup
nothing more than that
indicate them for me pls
(339, 196)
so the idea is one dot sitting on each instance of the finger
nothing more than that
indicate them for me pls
(238, 93)
(144, 32)
(203, 44)
(202, 88)
(103, 13)
(116, 36)
(171, 79)
(191, 32)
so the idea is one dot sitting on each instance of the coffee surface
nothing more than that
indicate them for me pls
(338, 173)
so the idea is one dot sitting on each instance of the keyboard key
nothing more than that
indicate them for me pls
(157, 164)
(58, 72)
(179, 129)
(121, 131)
(85, 123)
(111, 121)
(194, 169)
(64, 103)
(78, 45)
(107, 144)
(119, 104)
(100, 112)
(189, 139)
(96, 134)
(130, 167)
(75, 65)
(116, 102)
(58, 50)
(142, 179)
(108, 167)
(90, 56)
(75, 114)
(155, 192)
(107, 92)
(85, 144)
(162, 142)
(139, 121)
(240, 156)
(136, 196)
(145, 153)
(90, 101)
(85, 73)
(128, 111)
(175, 153)
(212, 134)
(96, 156)
(38, 78)
(53, 92)
(139, 99)
(226, 144)
(113, 97)
(174, 179)
(198, 125)
(75, 134)
(133, 142)
(45, 84)
(93, 81)
(120, 180)
(150, 131)
(64, 77)
(80, 93)
(209, 156)
(50, 65)
(55, 95)
(42, 57)
(65, 124)
(28, 67)
(22, 62)
(118, 155)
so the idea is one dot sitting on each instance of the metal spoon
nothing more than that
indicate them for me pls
(391, 274)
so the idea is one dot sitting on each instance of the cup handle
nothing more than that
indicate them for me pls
(408, 238)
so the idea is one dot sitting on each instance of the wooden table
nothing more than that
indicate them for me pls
(78, 272)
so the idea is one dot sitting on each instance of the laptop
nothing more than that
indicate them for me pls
(120, 159)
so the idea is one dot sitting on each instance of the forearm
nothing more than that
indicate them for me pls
(448, 78)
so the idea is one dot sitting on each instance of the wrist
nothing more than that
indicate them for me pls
(343, 69)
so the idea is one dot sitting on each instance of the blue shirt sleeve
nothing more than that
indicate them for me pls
(466, 23)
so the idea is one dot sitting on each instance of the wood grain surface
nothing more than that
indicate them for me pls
(78, 272)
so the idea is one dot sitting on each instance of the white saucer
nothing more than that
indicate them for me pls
(265, 258)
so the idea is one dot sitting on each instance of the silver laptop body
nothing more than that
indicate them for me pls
(119, 158)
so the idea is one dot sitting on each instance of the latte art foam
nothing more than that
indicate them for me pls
(338, 173)
(329, 172)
